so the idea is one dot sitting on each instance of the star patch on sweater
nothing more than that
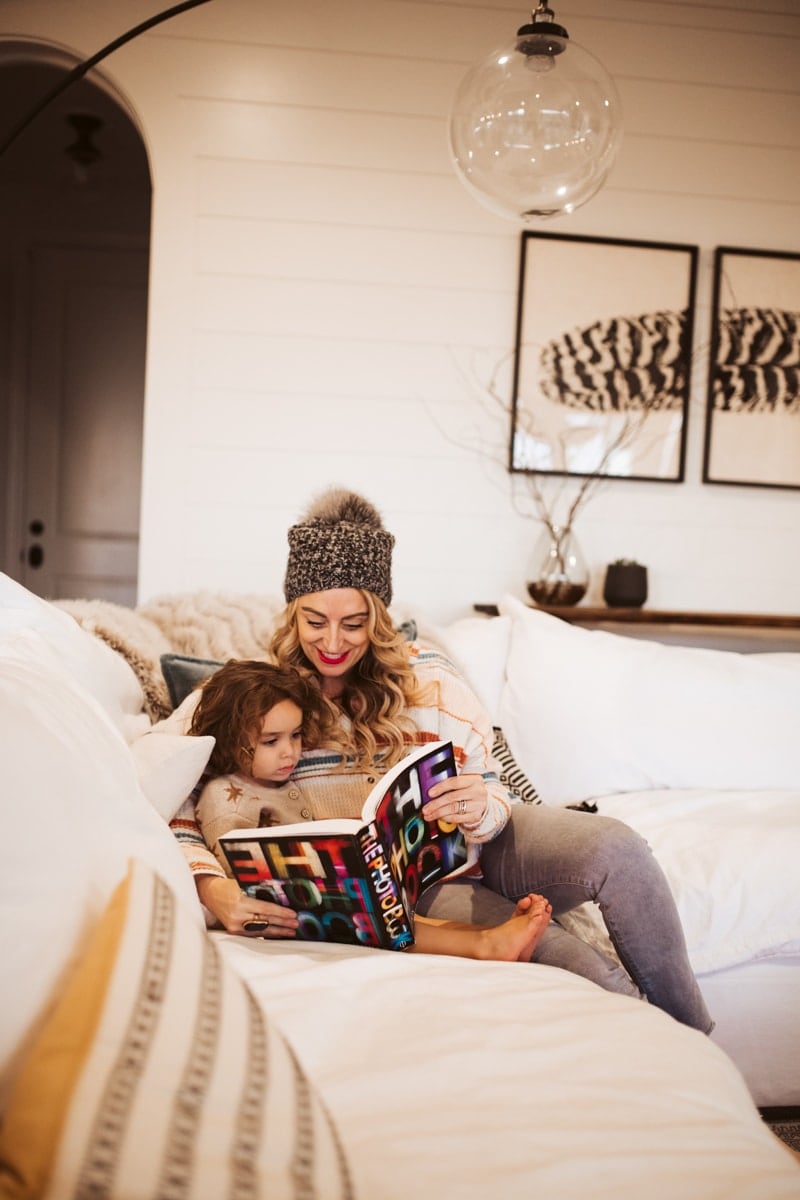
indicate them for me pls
(233, 793)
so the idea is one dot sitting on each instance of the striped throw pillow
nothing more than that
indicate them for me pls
(511, 775)
(157, 1074)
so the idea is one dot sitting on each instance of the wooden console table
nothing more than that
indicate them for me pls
(745, 632)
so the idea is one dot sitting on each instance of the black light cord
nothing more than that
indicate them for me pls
(83, 67)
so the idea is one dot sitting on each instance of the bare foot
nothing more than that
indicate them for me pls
(517, 938)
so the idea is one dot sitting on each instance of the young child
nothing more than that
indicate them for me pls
(262, 717)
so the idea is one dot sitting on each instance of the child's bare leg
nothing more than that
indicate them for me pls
(513, 940)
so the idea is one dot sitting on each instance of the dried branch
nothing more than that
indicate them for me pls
(546, 511)
(545, 490)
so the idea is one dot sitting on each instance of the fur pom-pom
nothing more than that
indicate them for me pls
(339, 504)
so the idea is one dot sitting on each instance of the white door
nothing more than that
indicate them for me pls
(84, 415)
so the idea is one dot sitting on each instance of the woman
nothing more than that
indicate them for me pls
(390, 694)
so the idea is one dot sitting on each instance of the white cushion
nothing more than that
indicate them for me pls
(731, 862)
(168, 766)
(478, 646)
(73, 814)
(93, 664)
(588, 713)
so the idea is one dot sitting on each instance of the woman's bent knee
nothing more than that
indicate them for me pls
(616, 842)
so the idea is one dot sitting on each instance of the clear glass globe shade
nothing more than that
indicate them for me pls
(535, 135)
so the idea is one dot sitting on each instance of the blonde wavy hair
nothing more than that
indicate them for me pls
(381, 686)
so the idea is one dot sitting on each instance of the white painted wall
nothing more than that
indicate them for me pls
(326, 298)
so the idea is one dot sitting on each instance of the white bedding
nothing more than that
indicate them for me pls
(467, 1080)
(731, 860)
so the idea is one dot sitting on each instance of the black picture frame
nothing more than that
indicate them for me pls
(752, 431)
(602, 357)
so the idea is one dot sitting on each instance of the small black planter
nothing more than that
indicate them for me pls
(625, 585)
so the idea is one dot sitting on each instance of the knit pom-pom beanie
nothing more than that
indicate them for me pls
(340, 543)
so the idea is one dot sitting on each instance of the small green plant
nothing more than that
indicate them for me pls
(625, 584)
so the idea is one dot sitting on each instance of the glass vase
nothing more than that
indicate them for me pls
(559, 575)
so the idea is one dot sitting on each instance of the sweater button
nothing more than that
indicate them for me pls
(293, 794)
(305, 813)
(370, 779)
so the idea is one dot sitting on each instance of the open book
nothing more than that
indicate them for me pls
(357, 880)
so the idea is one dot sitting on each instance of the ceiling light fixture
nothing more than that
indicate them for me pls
(83, 153)
(536, 125)
(83, 150)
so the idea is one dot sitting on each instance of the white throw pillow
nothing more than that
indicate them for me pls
(93, 664)
(169, 766)
(158, 1074)
(589, 713)
(478, 646)
(73, 814)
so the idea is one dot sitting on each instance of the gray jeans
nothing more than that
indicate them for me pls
(571, 857)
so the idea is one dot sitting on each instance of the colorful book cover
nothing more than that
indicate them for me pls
(357, 881)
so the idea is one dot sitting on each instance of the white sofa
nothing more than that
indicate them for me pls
(138, 1048)
(697, 749)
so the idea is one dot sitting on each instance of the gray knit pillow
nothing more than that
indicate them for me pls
(182, 673)
(511, 774)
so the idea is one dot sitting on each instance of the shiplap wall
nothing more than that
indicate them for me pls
(327, 302)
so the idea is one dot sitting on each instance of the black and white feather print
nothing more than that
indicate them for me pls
(620, 364)
(757, 366)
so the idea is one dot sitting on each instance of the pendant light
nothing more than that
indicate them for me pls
(536, 125)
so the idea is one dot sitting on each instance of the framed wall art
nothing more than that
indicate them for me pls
(753, 409)
(602, 357)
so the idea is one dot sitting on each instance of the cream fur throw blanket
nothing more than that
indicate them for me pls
(201, 624)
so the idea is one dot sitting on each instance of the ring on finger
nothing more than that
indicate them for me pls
(462, 807)
(255, 923)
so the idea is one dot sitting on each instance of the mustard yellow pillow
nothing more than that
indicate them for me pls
(157, 1073)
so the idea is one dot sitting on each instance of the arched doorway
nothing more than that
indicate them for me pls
(74, 246)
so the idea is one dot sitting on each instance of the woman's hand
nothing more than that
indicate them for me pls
(240, 913)
(462, 800)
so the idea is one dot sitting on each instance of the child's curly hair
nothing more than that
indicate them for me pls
(236, 698)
